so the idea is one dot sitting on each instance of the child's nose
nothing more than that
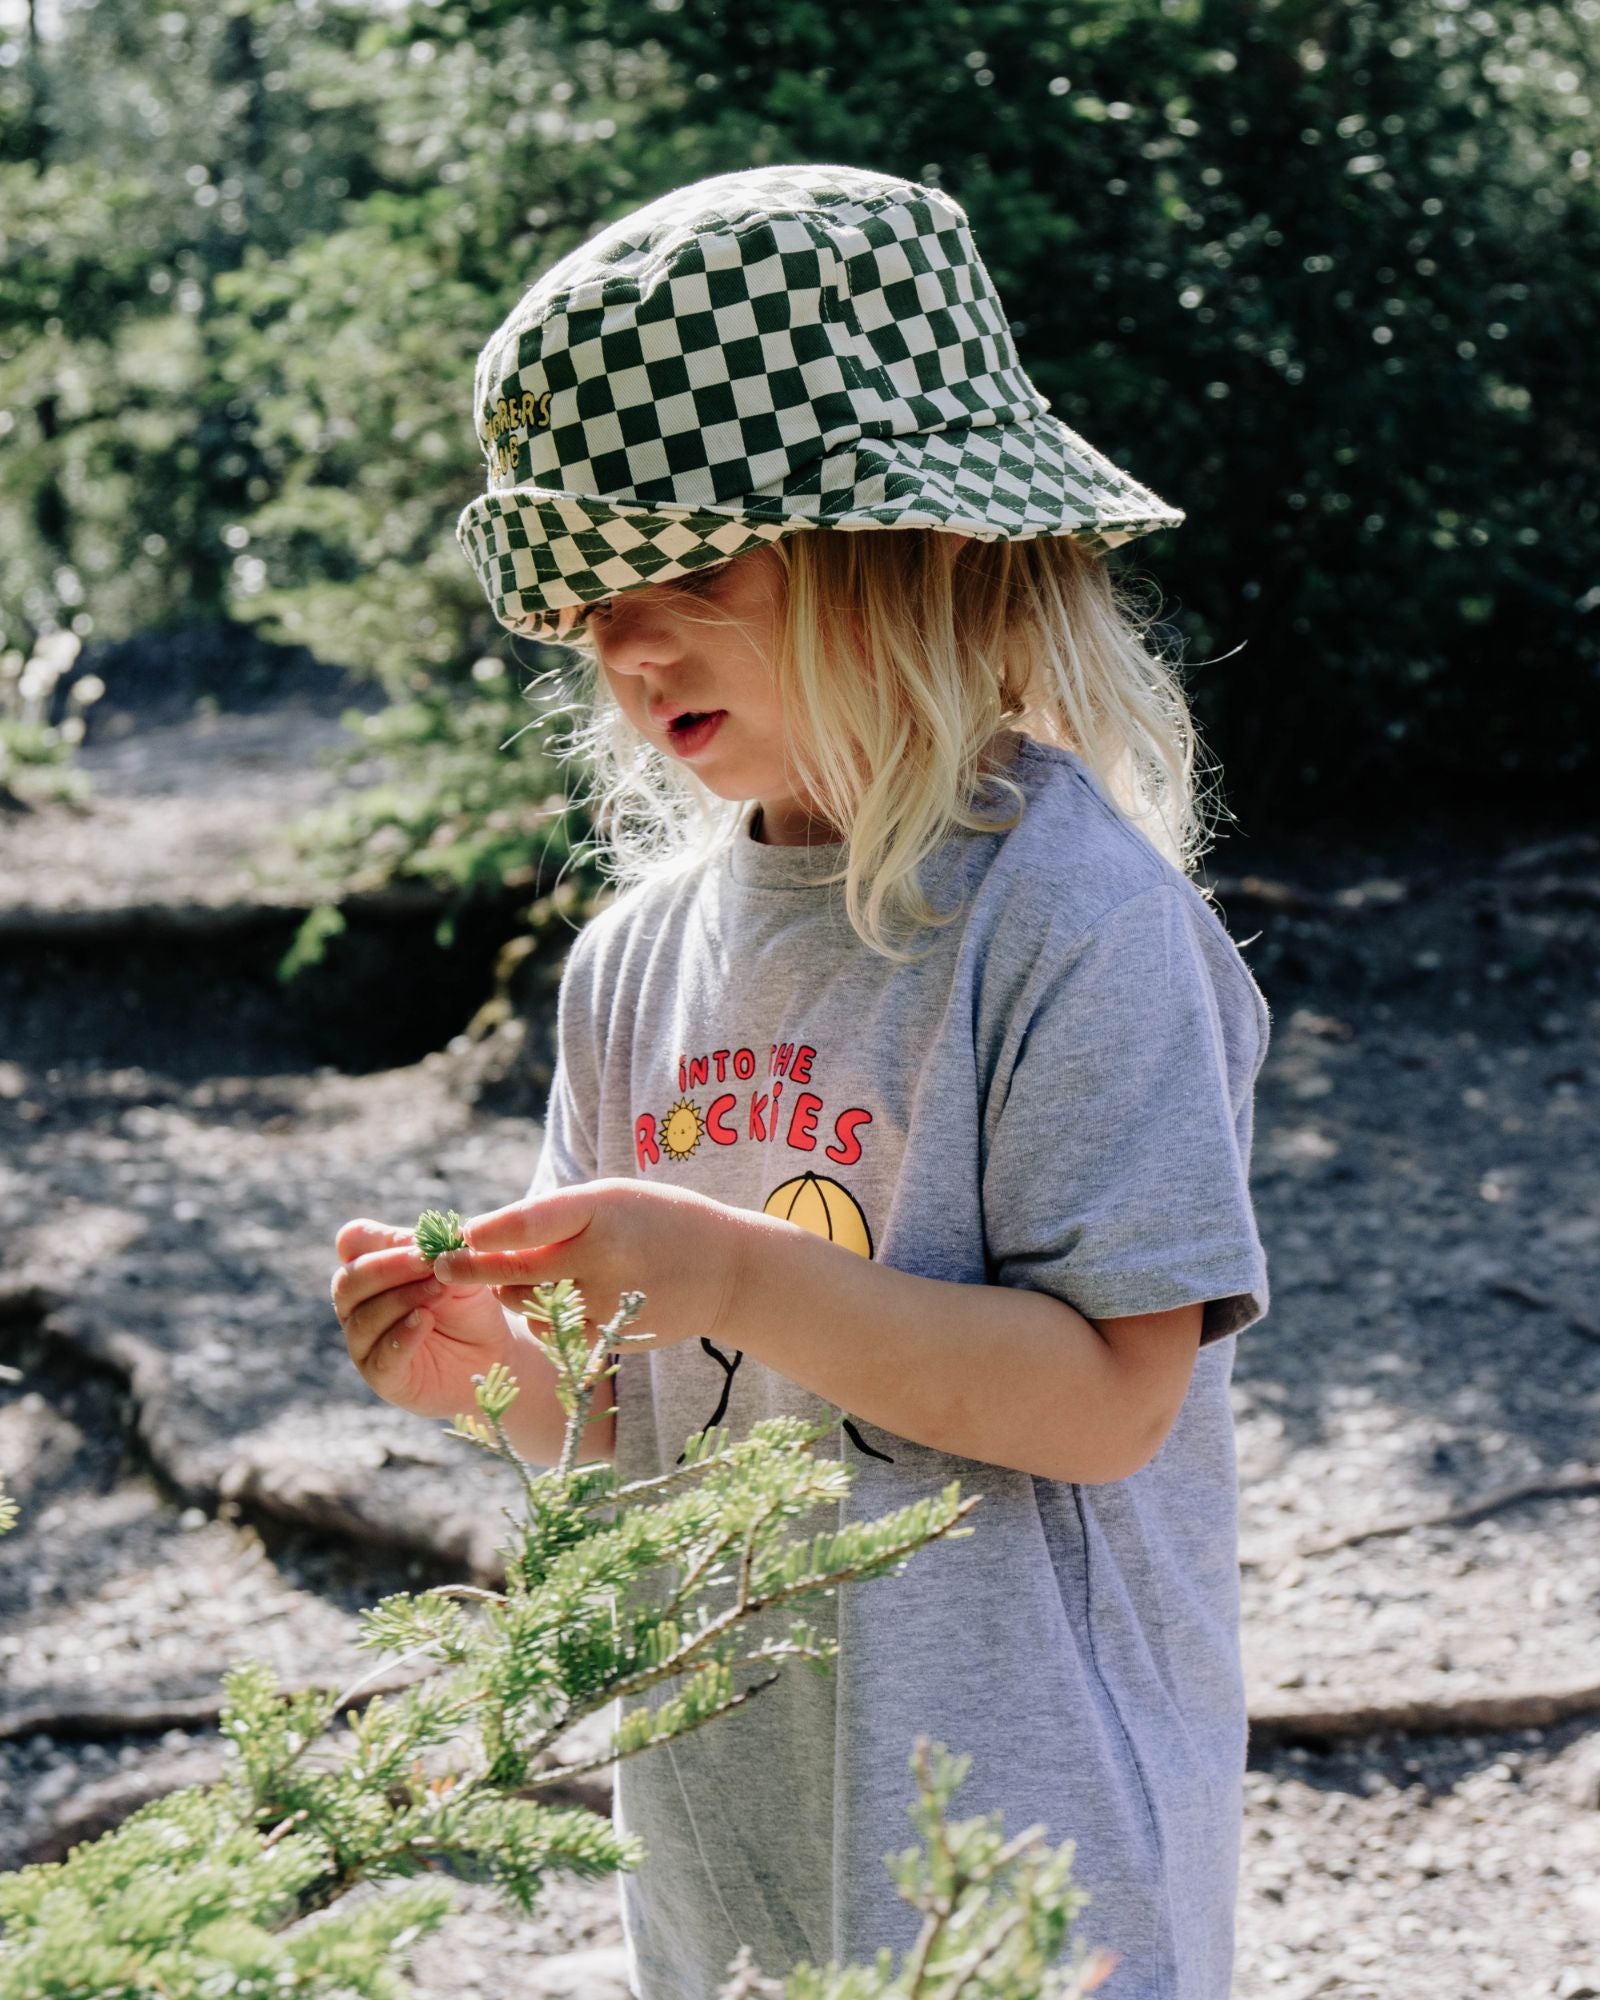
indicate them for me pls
(632, 634)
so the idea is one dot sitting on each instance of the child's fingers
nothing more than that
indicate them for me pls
(369, 1322)
(376, 1272)
(501, 1267)
(356, 1238)
(388, 1357)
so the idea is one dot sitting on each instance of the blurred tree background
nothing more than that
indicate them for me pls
(1325, 273)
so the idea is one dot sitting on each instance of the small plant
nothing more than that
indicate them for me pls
(996, 1913)
(438, 1232)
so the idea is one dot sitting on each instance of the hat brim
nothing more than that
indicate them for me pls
(541, 554)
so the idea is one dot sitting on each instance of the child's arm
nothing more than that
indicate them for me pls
(1001, 1373)
(996, 1373)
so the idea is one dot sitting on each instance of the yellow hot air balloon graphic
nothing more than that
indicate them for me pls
(825, 1208)
(830, 1211)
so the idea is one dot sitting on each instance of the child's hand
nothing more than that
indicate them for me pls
(425, 1366)
(681, 1249)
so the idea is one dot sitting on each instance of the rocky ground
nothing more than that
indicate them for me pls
(203, 1477)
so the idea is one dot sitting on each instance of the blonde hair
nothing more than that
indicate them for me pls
(899, 657)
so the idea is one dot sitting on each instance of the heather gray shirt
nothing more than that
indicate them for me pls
(1058, 1097)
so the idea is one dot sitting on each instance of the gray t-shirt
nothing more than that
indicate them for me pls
(1058, 1097)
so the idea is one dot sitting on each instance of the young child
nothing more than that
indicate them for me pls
(910, 1074)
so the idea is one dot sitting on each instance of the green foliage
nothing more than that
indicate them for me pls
(36, 753)
(457, 812)
(1324, 276)
(351, 352)
(35, 765)
(184, 1900)
(438, 1232)
(1347, 254)
(611, 1588)
(140, 149)
(310, 943)
(996, 1912)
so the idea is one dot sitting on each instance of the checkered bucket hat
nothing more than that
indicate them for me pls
(783, 348)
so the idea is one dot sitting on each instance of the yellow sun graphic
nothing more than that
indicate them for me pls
(681, 1129)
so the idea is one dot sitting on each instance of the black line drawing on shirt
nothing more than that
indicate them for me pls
(728, 1369)
(731, 1368)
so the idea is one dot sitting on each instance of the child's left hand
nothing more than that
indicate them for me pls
(681, 1249)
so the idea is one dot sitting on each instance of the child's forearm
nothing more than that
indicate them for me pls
(990, 1372)
(536, 1423)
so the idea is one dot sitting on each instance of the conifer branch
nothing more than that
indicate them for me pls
(692, 1580)
(342, 1701)
(285, 1836)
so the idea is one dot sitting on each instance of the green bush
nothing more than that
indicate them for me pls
(1325, 276)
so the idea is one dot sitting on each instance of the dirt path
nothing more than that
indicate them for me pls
(203, 1477)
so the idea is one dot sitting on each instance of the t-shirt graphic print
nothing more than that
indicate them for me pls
(813, 1201)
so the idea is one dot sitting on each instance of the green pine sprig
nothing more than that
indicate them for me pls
(437, 1232)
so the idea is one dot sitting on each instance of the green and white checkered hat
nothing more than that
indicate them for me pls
(787, 347)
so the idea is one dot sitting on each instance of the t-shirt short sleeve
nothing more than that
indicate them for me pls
(571, 1118)
(1118, 1123)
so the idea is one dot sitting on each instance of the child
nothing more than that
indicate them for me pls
(987, 1197)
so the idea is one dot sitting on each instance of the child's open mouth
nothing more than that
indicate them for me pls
(691, 733)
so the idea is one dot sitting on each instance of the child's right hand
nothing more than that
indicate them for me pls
(425, 1366)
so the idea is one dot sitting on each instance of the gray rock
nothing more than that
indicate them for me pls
(1583, 1783)
(601, 1974)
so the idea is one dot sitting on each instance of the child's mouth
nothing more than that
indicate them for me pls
(692, 732)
